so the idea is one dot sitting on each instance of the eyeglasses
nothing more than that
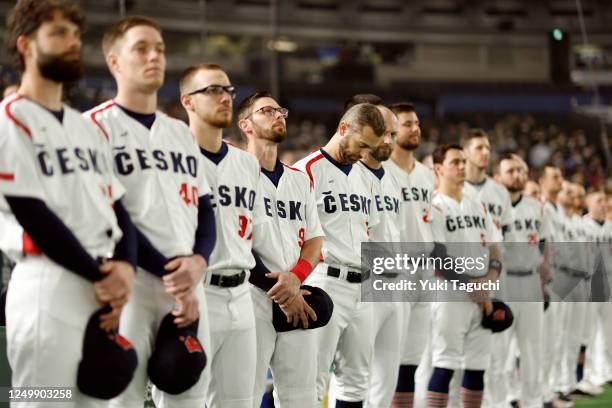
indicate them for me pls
(216, 90)
(271, 111)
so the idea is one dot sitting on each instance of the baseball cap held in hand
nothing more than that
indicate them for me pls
(108, 362)
(178, 358)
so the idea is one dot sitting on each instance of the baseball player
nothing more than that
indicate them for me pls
(416, 184)
(158, 162)
(206, 95)
(523, 261)
(481, 187)
(56, 177)
(388, 317)
(289, 243)
(343, 200)
(598, 315)
(458, 339)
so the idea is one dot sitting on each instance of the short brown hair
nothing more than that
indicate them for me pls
(473, 133)
(28, 15)
(191, 70)
(245, 107)
(362, 98)
(365, 114)
(402, 107)
(439, 153)
(116, 31)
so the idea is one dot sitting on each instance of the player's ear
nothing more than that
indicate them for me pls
(186, 102)
(436, 168)
(23, 43)
(111, 61)
(244, 126)
(342, 128)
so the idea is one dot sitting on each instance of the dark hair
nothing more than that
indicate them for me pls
(402, 107)
(439, 153)
(116, 31)
(365, 114)
(28, 15)
(473, 134)
(191, 70)
(362, 98)
(244, 108)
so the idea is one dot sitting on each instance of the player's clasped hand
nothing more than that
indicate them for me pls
(286, 287)
(114, 289)
(185, 273)
(186, 309)
(298, 310)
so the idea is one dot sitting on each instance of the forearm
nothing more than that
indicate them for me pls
(206, 233)
(53, 237)
(309, 258)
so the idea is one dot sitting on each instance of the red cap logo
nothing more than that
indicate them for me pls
(192, 344)
(499, 315)
(122, 342)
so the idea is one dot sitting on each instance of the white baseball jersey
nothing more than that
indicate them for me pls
(11, 233)
(343, 199)
(162, 172)
(494, 197)
(234, 180)
(601, 234)
(416, 190)
(523, 235)
(465, 222)
(292, 213)
(67, 165)
(387, 200)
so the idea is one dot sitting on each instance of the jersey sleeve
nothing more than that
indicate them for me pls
(493, 234)
(374, 217)
(313, 224)
(18, 169)
(259, 211)
(203, 187)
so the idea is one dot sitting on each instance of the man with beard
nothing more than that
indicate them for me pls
(158, 161)
(416, 183)
(56, 176)
(233, 174)
(343, 200)
(288, 244)
(388, 317)
(526, 272)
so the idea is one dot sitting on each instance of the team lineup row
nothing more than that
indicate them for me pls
(201, 265)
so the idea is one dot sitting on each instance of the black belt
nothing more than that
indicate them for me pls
(520, 273)
(575, 273)
(353, 277)
(230, 281)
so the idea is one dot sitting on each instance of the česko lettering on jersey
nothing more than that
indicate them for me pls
(494, 197)
(67, 165)
(292, 218)
(387, 200)
(344, 203)
(162, 172)
(234, 182)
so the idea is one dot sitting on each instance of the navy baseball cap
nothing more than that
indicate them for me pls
(500, 319)
(108, 362)
(318, 300)
(178, 358)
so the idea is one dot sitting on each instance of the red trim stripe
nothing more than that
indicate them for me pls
(28, 247)
(94, 120)
(7, 109)
(292, 168)
(7, 176)
(309, 165)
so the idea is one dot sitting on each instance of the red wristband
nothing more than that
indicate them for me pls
(302, 269)
(28, 247)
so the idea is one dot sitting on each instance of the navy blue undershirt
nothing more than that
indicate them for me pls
(59, 115)
(218, 156)
(377, 172)
(345, 168)
(145, 119)
(276, 174)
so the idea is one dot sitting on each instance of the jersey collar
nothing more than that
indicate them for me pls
(274, 175)
(345, 168)
(145, 119)
(514, 204)
(218, 156)
(377, 172)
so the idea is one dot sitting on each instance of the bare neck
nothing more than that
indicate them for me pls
(41, 90)
(452, 190)
(266, 153)
(474, 175)
(333, 148)
(549, 197)
(138, 102)
(514, 197)
(209, 137)
(404, 159)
